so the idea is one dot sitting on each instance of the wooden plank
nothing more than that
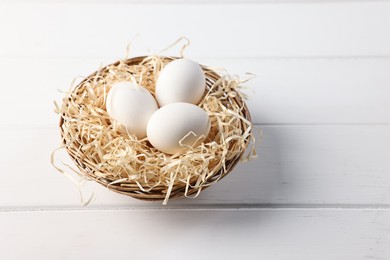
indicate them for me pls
(231, 30)
(286, 91)
(297, 165)
(186, 2)
(196, 234)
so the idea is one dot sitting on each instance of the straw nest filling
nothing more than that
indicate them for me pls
(134, 167)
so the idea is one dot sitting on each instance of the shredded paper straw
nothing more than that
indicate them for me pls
(117, 159)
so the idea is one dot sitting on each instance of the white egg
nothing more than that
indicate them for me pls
(131, 106)
(180, 80)
(175, 127)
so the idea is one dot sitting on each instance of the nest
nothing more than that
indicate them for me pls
(129, 166)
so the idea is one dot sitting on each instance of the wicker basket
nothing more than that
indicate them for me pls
(130, 188)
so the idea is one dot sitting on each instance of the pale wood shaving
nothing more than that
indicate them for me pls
(118, 158)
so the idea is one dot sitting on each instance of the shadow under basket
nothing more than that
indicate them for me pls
(159, 192)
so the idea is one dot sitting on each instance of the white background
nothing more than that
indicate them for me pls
(321, 186)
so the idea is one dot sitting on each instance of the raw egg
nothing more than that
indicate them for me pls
(178, 126)
(181, 80)
(130, 106)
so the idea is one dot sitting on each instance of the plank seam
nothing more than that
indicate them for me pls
(351, 207)
(54, 126)
(192, 2)
(259, 58)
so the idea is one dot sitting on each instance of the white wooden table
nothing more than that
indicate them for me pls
(321, 186)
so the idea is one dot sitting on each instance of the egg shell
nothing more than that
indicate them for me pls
(131, 106)
(177, 122)
(181, 80)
